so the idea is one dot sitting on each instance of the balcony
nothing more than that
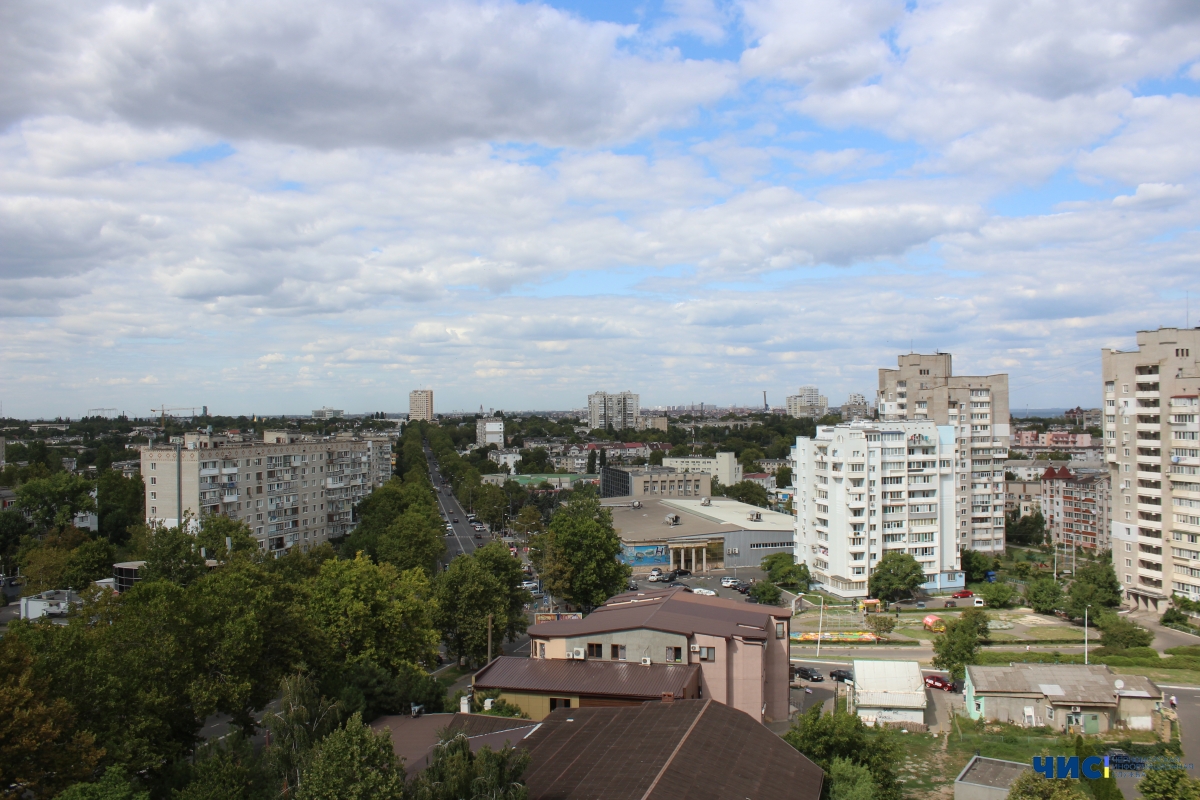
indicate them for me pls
(208, 473)
(229, 470)
(229, 497)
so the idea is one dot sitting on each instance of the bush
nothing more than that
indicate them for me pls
(1173, 616)
(766, 593)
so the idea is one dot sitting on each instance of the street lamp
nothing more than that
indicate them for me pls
(1085, 633)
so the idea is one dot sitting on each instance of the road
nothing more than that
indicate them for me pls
(463, 539)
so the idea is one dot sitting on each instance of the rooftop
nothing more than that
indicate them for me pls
(991, 772)
(889, 684)
(1061, 684)
(591, 677)
(647, 521)
(697, 749)
(671, 611)
(413, 738)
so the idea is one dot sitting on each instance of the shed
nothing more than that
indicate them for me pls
(889, 691)
(987, 779)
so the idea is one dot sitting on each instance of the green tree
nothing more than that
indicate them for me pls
(656, 458)
(466, 594)
(374, 612)
(850, 781)
(881, 624)
(303, 719)
(113, 785)
(824, 738)
(353, 763)
(414, 541)
(579, 560)
(998, 595)
(173, 556)
(42, 749)
(90, 561)
(491, 504)
(454, 773)
(218, 534)
(228, 769)
(45, 568)
(1027, 530)
(529, 521)
(975, 565)
(1031, 785)
(1095, 585)
(1119, 633)
(120, 503)
(1167, 784)
(1100, 788)
(776, 564)
(54, 501)
(591, 465)
(13, 526)
(783, 477)
(1044, 595)
(959, 645)
(495, 558)
(766, 593)
(895, 575)
(747, 492)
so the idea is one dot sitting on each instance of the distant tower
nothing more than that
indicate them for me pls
(765, 406)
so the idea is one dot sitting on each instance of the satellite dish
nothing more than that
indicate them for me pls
(1120, 684)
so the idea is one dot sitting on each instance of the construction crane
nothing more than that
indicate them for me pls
(164, 411)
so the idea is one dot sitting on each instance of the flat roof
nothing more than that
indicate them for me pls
(648, 523)
(889, 684)
(993, 772)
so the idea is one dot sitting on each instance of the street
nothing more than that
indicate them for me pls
(463, 540)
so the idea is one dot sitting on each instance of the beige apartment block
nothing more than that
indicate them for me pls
(290, 490)
(1077, 508)
(1152, 444)
(420, 405)
(723, 467)
(924, 387)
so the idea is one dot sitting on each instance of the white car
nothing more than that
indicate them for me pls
(705, 592)
(728, 581)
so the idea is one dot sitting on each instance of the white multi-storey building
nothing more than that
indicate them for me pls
(420, 405)
(489, 430)
(1152, 444)
(863, 489)
(617, 409)
(290, 490)
(807, 402)
(723, 467)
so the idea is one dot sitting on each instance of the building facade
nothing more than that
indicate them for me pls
(863, 489)
(324, 412)
(807, 402)
(489, 430)
(420, 405)
(289, 490)
(653, 482)
(1152, 445)
(616, 409)
(1023, 497)
(723, 467)
(1077, 508)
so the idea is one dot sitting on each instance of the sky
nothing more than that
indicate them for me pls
(270, 207)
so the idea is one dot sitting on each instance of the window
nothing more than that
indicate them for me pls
(674, 654)
(153, 465)
(618, 652)
(560, 702)
(1049, 712)
(153, 480)
(541, 649)
(154, 495)
(595, 650)
(153, 510)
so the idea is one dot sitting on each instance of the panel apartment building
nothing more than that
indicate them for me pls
(618, 409)
(723, 467)
(420, 405)
(864, 489)
(290, 490)
(976, 406)
(489, 430)
(1152, 445)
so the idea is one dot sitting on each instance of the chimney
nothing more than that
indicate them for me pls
(668, 697)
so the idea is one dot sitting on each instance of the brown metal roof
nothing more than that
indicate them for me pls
(599, 678)
(413, 738)
(671, 611)
(698, 749)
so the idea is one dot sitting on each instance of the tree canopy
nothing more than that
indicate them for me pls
(896, 575)
(579, 553)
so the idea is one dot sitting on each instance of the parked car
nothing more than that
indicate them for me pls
(809, 674)
(743, 587)
(678, 585)
(751, 599)
(951, 604)
(728, 582)
(478, 535)
(704, 592)
(962, 594)
(529, 584)
(683, 573)
(938, 682)
(655, 575)
(979, 602)
(456, 519)
(920, 604)
(841, 675)
(631, 586)
(668, 577)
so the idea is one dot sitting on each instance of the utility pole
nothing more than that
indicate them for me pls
(179, 485)
(820, 625)
(1085, 633)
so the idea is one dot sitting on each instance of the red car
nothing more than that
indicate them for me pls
(938, 682)
(963, 593)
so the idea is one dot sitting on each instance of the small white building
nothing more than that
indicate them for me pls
(889, 691)
(505, 458)
(54, 603)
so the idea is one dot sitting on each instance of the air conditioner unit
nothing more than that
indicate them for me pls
(579, 654)
(570, 655)
(1075, 709)
(695, 648)
(645, 662)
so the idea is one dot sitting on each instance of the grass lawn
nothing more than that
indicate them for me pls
(1059, 632)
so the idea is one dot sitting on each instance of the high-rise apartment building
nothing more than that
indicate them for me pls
(976, 406)
(291, 491)
(864, 489)
(807, 402)
(1077, 508)
(618, 409)
(1152, 445)
(489, 430)
(420, 405)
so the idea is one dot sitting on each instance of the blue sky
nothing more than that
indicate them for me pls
(517, 204)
